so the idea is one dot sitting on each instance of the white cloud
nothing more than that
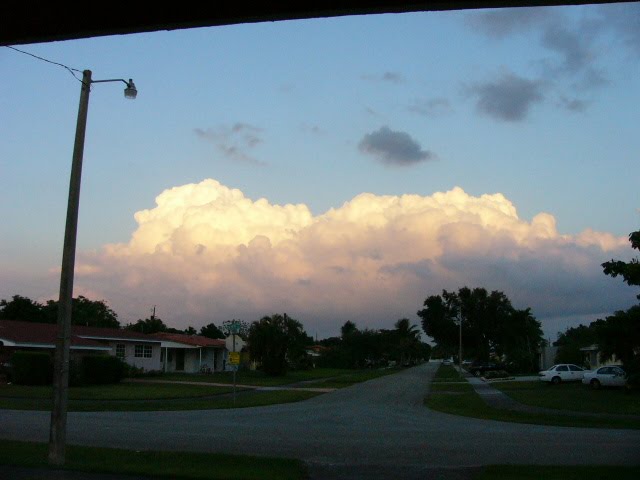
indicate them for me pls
(208, 253)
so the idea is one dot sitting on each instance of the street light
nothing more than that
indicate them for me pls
(58, 428)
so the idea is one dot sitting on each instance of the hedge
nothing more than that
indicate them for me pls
(32, 368)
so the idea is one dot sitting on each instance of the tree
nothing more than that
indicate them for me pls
(572, 340)
(211, 331)
(490, 326)
(630, 271)
(149, 325)
(277, 342)
(22, 309)
(91, 313)
(619, 334)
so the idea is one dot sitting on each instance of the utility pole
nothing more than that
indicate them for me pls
(58, 428)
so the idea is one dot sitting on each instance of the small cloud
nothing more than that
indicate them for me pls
(509, 98)
(234, 141)
(573, 104)
(508, 21)
(315, 129)
(394, 148)
(572, 45)
(371, 111)
(433, 107)
(389, 77)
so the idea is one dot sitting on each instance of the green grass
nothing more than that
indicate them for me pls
(193, 402)
(356, 376)
(536, 472)
(178, 465)
(451, 387)
(447, 373)
(248, 377)
(469, 404)
(572, 396)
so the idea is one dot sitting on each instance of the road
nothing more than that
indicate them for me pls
(370, 427)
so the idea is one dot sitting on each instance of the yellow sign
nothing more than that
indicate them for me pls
(234, 358)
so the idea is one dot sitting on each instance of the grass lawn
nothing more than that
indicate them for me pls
(535, 472)
(143, 397)
(178, 465)
(258, 378)
(572, 396)
(448, 373)
(469, 404)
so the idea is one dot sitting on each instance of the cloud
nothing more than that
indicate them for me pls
(574, 43)
(432, 107)
(388, 77)
(508, 98)
(508, 21)
(394, 148)
(206, 252)
(573, 104)
(234, 141)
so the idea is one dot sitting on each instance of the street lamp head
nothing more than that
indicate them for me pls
(130, 92)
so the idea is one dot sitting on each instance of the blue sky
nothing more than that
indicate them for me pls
(538, 105)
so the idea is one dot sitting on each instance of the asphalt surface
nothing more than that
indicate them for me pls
(370, 430)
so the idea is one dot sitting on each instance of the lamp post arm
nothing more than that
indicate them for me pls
(112, 80)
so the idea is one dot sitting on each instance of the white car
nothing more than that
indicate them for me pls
(563, 372)
(609, 376)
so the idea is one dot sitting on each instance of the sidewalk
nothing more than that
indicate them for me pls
(498, 399)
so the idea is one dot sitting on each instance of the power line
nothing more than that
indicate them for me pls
(69, 69)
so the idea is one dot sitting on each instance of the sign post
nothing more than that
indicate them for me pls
(234, 357)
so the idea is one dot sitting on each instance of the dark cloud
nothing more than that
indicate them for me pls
(504, 22)
(394, 148)
(233, 142)
(508, 98)
(573, 104)
(430, 108)
(624, 20)
(389, 77)
(571, 45)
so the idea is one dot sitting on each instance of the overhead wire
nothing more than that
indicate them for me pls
(69, 69)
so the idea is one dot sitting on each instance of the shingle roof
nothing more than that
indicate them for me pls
(195, 340)
(43, 335)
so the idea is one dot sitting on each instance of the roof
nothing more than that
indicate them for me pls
(34, 21)
(41, 335)
(111, 334)
(193, 340)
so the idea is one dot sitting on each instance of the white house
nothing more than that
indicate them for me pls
(191, 353)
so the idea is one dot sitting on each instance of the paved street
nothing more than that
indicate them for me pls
(370, 427)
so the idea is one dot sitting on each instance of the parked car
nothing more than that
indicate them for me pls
(479, 368)
(563, 372)
(609, 376)
(447, 361)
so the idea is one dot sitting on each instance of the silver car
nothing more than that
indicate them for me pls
(609, 376)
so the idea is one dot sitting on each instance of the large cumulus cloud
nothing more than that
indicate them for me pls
(206, 252)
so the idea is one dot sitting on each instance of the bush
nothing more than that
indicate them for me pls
(496, 374)
(32, 368)
(102, 369)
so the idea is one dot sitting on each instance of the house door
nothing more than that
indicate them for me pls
(180, 360)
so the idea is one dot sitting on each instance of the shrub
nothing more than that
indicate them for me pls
(102, 369)
(32, 368)
(496, 374)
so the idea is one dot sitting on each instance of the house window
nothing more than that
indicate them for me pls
(143, 351)
(120, 351)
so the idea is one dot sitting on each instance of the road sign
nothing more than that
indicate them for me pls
(234, 358)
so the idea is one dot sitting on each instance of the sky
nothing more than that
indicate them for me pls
(333, 169)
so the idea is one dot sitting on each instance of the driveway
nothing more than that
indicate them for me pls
(370, 427)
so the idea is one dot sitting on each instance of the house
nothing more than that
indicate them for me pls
(41, 337)
(593, 358)
(191, 353)
(137, 349)
(547, 357)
